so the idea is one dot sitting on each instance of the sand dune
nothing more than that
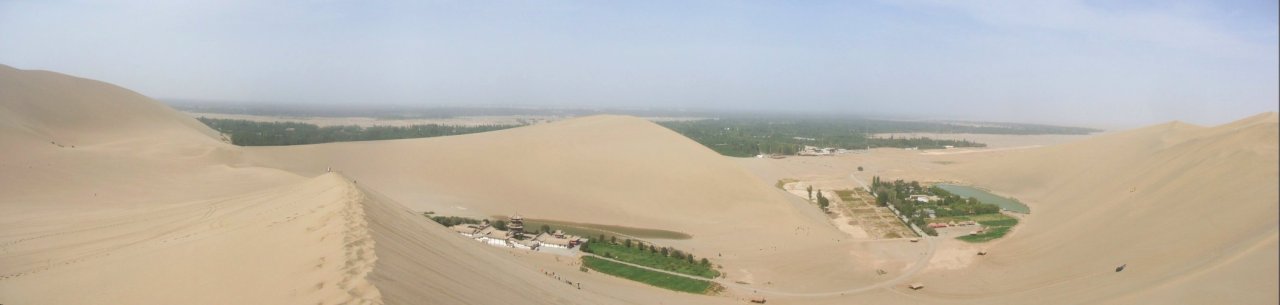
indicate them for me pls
(1180, 204)
(322, 240)
(149, 207)
(600, 169)
(47, 106)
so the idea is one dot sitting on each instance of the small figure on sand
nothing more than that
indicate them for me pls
(1121, 268)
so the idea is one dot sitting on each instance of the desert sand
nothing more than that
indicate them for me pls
(109, 197)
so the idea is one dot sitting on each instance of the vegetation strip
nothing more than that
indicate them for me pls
(749, 136)
(650, 277)
(996, 228)
(652, 256)
(252, 133)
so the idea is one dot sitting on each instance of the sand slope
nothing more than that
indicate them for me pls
(319, 241)
(150, 209)
(50, 106)
(303, 243)
(1191, 210)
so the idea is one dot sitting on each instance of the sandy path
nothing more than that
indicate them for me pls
(916, 267)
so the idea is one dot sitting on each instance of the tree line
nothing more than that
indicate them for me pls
(897, 193)
(650, 248)
(749, 137)
(254, 133)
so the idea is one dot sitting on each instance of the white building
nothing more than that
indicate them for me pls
(489, 235)
(923, 198)
(558, 239)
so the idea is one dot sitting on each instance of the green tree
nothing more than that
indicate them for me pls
(628, 243)
(823, 201)
(705, 262)
(500, 225)
(927, 230)
(546, 228)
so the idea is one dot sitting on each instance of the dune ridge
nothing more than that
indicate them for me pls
(48, 106)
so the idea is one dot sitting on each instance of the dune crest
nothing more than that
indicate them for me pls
(47, 106)
(301, 243)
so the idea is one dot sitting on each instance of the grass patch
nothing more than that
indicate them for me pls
(656, 260)
(997, 226)
(845, 195)
(1000, 223)
(650, 277)
(978, 218)
(783, 182)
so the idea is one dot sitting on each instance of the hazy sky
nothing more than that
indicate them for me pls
(1097, 63)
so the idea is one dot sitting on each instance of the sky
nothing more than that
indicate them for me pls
(1089, 63)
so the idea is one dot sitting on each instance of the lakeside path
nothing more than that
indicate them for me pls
(919, 265)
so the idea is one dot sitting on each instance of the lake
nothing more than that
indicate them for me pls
(591, 230)
(986, 197)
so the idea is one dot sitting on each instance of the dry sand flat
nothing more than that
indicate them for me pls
(151, 208)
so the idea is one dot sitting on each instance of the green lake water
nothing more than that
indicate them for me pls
(591, 230)
(986, 197)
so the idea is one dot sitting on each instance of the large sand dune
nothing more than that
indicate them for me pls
(149, 207)
(47, 106)
(1191, 210)
(602, 169)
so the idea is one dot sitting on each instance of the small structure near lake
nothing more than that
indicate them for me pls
(516, 237)
(558, 239)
